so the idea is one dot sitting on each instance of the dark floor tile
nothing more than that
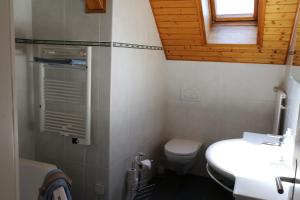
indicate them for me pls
(188, 187)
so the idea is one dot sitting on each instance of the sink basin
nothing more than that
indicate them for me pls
(238, 157)
(250, 165)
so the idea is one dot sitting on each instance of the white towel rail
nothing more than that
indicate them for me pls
(65, 93)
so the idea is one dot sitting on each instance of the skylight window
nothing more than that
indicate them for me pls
(234, 10)
(233, 21)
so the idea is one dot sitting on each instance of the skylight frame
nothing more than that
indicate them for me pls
(233, 18)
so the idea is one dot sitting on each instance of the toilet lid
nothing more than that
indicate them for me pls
(182, 147)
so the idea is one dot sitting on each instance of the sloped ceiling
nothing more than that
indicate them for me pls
(180, 25)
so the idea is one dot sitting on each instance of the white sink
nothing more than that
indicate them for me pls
(237, 157)
(249, 163)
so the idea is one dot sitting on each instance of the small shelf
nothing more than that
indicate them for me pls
(95, 6)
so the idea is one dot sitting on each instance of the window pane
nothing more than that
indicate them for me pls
(234, 7)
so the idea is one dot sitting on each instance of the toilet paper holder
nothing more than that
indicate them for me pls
(141, 162)
(136, 187)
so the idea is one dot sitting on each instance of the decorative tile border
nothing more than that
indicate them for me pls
(23, 41)
(136, 46)
(88, 43)
(62, 42)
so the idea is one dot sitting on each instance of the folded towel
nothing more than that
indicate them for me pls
(59, 194)
(55, 179)
(60, 61)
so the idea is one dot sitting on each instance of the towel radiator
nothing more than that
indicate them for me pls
(65, 92)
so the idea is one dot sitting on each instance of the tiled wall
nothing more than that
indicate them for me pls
(86, 165)
(137, 111)
(295, 72)
(133, 22)
(292, 104)
(23, 18)
(292, 109)
(8, 142)
(132, 109)
(214, 101)
(67, 20)
(23, 28)
(137, 92)
(25, 100)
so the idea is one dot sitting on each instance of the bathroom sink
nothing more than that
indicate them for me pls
(238, 157)
(248, 164)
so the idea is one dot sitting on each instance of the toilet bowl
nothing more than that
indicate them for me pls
(181, 154)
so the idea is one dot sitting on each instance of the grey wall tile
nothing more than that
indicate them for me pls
(77, 160)
(77, 173)
(215, 101)
(67, 20)
(23, 18)
(137, 111)
(24, 102)
(78, 24)
(94, 175)
(292, 104)
(48, 19)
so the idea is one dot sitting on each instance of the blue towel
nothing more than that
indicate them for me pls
(55, 179)
(61, 61)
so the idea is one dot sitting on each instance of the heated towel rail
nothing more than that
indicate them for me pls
(65, 92)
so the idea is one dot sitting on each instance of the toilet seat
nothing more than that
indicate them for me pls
(182, 148)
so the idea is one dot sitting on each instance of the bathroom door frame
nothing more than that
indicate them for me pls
(9, 154)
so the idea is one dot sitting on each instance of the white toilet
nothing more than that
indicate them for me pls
(181, 154)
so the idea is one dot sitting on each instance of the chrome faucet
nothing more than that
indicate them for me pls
(281, 179)
(279, 141)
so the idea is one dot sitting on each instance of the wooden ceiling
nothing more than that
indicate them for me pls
(181, 28)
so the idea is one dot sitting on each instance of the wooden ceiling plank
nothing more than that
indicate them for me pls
(181, 31)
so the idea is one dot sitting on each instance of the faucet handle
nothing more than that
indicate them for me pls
(279, 185)
(279, 181)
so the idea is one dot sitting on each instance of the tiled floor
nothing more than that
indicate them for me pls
(188, 187)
